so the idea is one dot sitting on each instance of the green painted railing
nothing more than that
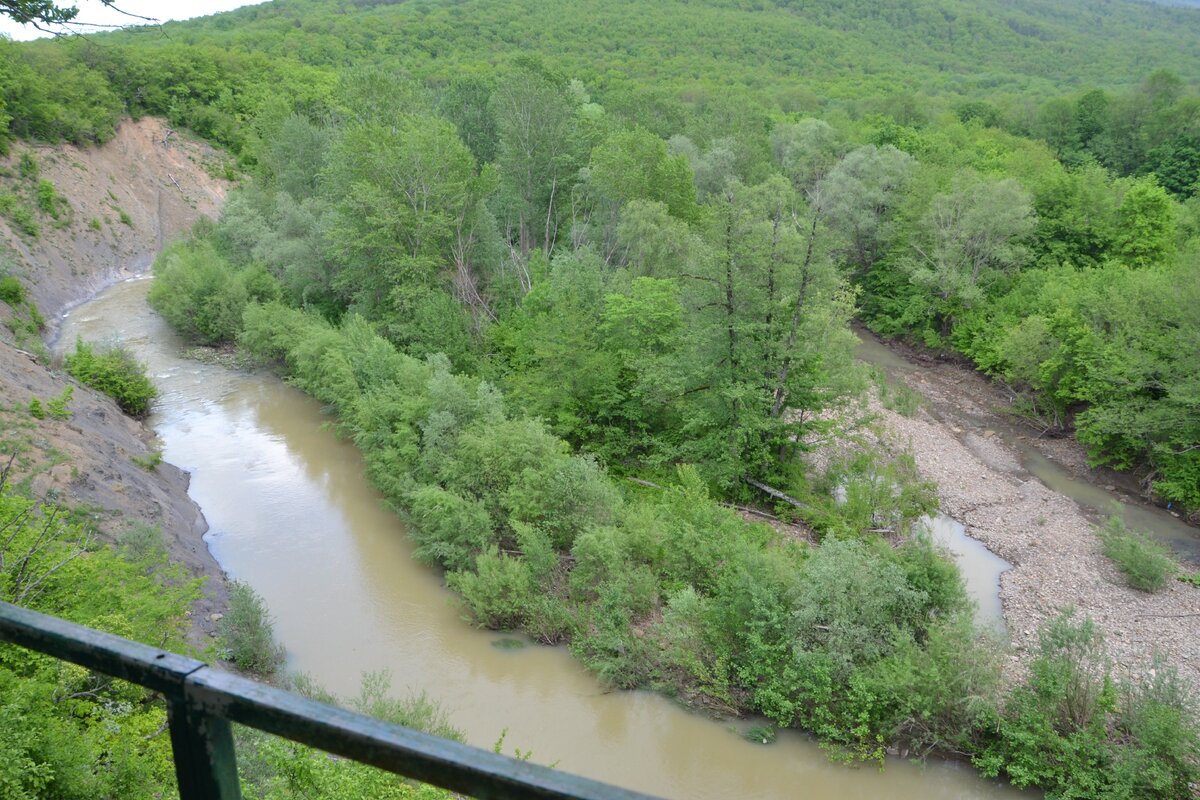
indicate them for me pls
(202, 702)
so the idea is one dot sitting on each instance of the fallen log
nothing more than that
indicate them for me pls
(778, 495)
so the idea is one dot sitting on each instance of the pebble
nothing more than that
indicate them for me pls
(1062, 567)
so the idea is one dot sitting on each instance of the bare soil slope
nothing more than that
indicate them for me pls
(121, 202)
(145, 187)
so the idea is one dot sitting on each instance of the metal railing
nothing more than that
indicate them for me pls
(202, 702)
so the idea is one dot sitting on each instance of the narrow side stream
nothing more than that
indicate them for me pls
(291, 513)
(1096, 500)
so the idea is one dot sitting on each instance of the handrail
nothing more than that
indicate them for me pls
(202, 701)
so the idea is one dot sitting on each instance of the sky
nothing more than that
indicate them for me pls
(93, 11)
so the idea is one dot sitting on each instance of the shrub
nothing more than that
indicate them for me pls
(150, 461)
(11, 291)
(247, 632)
(1053, 731)
(94, 223)
(419, 711)
(1147, 565)
(47, 199)
(1072, 731)
(115, 372)
(142, 543)
(20, 214)
(36, 410)
(202, 296)
(58, 406)
(28, 166)
(35, 317)
(499, 593)
(448, 529)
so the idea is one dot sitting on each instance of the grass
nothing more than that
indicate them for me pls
(1146, 564)
(149, 461)
(247, 633)
(898, 397)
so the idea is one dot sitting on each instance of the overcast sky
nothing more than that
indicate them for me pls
(93, 11)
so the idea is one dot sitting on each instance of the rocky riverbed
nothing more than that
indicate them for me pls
(1047, 537)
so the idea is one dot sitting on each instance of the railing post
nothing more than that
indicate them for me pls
(205, 764)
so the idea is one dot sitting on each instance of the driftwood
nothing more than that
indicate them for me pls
(172, 177)
(778, 495)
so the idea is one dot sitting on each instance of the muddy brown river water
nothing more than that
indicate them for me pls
(292, 514)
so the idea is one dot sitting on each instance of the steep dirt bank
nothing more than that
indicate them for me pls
(89, 461)
(1049, 539)
(124, 200)
(160, 186)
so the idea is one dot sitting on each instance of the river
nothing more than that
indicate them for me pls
(292, 514)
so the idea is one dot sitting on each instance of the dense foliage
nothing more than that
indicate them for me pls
(115, 372)
(66, 732)
(1033, 262)
(668, 589)
(511, 292)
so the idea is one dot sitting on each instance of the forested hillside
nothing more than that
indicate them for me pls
(526, 251)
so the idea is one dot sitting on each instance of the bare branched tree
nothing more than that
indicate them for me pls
(50, 17)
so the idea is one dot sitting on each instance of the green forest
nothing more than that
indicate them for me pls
(576, 278)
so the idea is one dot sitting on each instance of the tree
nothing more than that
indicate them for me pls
(768, 330)
(633, 166)
(806, 150)
(861, 192)
(536, 126)
(967, 238)
(1145, 223)
(407, 195)
(48, 16)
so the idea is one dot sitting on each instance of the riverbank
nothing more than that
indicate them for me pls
(121, 202)
(1048, 538)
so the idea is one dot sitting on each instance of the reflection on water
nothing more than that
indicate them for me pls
(981, 568)
(292, 514)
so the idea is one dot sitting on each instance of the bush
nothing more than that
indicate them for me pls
(419, 711)
(1147, 565)
(28, 166)
(11, 291)
(499, 593)
(448, 529)
(247, 633)
(1072, 731)
(58, 405)
(115, 372)
(47, 199)
(1053, 732)
(202, 296)
(20, 214)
